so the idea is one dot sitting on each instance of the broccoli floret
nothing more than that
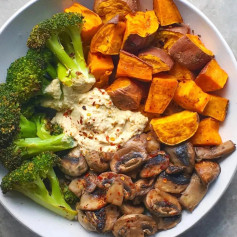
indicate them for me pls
(29, 179)
(55, 129)
(59, 33)
(27, 128)
(69, 196)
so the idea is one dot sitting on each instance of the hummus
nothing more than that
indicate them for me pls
(96, 124)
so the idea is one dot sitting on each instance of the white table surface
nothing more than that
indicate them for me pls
(222, 219)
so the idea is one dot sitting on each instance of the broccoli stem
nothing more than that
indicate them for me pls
(51, 71)
(63, 75)
(27, 128)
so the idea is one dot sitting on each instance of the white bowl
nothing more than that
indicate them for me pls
(13, 36)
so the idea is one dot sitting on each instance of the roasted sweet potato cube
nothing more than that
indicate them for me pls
(181, 73)
(216, 108)
(207, 171)
(109, 38)
(125, 93)
(212, 77)
(160, 95)
(140, 30)
(107, 9)
(131, 66)
(172, 108)
(157, 58)
(190, 52)
(167, 12)
(176, 128)
(207, 133)
(180, 28)
(101, 66)
(92, 22)
(189, 96)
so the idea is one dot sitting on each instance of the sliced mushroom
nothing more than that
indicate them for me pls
(182, 155)
(84, 221)
(129, 187)
(143, 186)
(128, 208)
(138, 225)
(162, 204)
(166, 223)
(153, 145)
(115, 194)
(155, 165)
(172, 183)
(128, 159)
(138, 140)
(106, 179)
(172, 169)
(193, 194)
(207, 171)
(215, 152)
(73, 164)
(96, 161)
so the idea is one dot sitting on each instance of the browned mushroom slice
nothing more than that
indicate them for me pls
(155, 165)
(73, 164)
(106, 179)
(207, 171)
(138, 225)
(215, 152)
(128, 208)
(83, 220)
(166, 223)
(193, 194)
(128, 159)
(96, 162)
(138, 140)
(115, 194)
(143, 186)
(153, 145)
(162, 204)
(172, 183)
(172, 169)
(128, 187)
(92, 201)
(182, 155)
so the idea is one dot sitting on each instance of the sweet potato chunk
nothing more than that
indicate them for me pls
(101, 66)
(109, 38)
(157, 58)
(107, 9)
(92, 21)
(207, 133)
(167, 12)
(207, 171)
(189, 96)
(181, 73)
(212, 77)
(216, 108)
(131, 66)
(190, 52)
(172, 108)
(125, 93)
(180, 28)
(160, 94)
(176, 128)
(140, 30)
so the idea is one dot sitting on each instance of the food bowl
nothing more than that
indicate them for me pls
(13, 37)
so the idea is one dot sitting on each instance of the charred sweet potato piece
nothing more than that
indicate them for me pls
(216, 108)
(92, 22)
(167, 12)
(207, 171)
(181, 73)
(212, 77)
(160, 94)
(190, 52)
(207, 133)
(101, 66)
(107, 9)
(180, 28)
(140, 30)
(157, 58)
(131, 66)
(109, 38)
(189, 96)
(176, 128)
(125, 93)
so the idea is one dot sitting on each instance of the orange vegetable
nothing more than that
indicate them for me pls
(212, 77)
(181, 73)
(125, 93)
(108, 39)
(216, 108)
(131, 66)
(172, 108)
(140, 30)
(157, 58)
(176, 128)
(160, 95)
(92, 21)
(167, 12)
(189, 96)
(101, 66)
(207, 133)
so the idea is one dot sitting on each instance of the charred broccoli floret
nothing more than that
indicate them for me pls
(29, 179)
(69, 196)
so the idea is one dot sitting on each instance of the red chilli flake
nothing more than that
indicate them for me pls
(93, 103)
(67, 113)
(107, 138)
(85, 134)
